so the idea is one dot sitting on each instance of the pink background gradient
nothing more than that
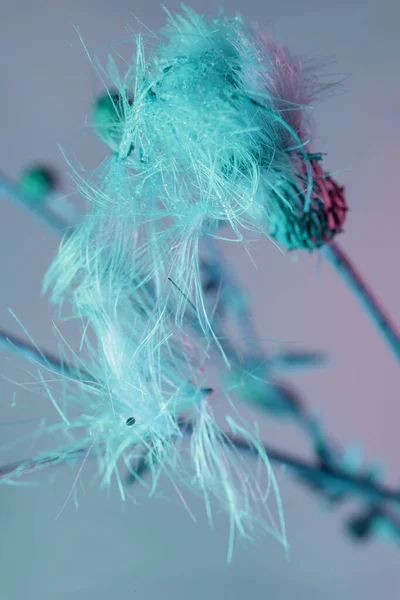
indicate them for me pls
(152, 549)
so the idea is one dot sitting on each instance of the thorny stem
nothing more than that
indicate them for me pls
(328, 479)
(290, 402)
(341, 262)
(334, 479)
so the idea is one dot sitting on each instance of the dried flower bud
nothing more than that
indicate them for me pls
(298, 228)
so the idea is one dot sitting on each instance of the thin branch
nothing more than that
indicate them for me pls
(46, 359)
(28, 467)
(36, 207)
(341, 262)
(329, 479)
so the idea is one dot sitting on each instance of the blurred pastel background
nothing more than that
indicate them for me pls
(150, 549)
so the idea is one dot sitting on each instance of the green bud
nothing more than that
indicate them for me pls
(108, 118)
(37, 182)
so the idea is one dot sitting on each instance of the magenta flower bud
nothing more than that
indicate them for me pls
(296, 228)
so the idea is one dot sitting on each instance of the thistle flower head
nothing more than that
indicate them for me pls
(125, 398)
(294, 227)
(206, 120)
(204, 129)
(131, 403)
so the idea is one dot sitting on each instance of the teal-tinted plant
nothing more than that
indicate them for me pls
(209, 141)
